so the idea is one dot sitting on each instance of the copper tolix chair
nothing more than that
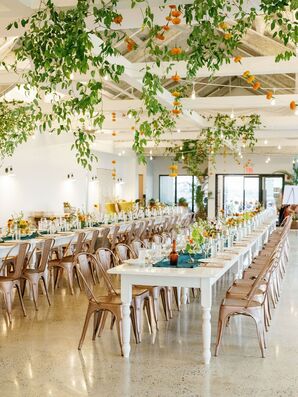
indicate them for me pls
(13, 279)
(34, 276)
(67, 263)
(109, 303)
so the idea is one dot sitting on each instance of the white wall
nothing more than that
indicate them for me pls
(40, 182)
(227, 165)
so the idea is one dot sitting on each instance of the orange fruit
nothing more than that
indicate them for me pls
(113, 161)
(166, 27)
(176, 13)
(251, 79)
(172, 6)
(237, 59)
(168, 18)
(246, 73)
(227, 36)
(176, 77)
(269, 95)
(118, 19)
(293, 105)
(176, 21)
(223, 26)
(256, 85)
(176, 51)
(176, 111)
(160, 36)
(176, 103)
(176, 94)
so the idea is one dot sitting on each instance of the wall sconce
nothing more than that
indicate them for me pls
(70, 177)
(9, 171)
(120, 181)
(94, 178)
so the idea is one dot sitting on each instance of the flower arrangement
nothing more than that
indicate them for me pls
(19, 222)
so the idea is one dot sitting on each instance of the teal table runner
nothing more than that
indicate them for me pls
(184, 261)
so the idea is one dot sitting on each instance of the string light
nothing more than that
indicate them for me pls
(278, 147)
(232, 115)
(265, 142)
(178, 130)
(182, 157)
(106, 77)
(273, 102)
(129, 115)
(71, 76)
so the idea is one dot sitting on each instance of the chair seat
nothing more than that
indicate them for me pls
(241, 303)
(109, 299)
(136, 290)
(243, 290)
(4, 278)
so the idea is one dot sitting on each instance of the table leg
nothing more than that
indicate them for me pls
(126, 296)
(185, 296)
(206, 302)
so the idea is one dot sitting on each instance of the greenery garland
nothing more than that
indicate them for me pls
(225, 131)
(59, 43)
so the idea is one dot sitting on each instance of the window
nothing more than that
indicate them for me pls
(171, 189)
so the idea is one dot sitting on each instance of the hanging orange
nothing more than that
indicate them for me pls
(118, 19)
(251, 79)
(160, 36)
(269, 95)
(293, 105)
(256, 86)
(176, 51)
(227, 36)
(246, 73)
(176, 103)
(237, 59)
(113, 161)
(176, 94)
(176, 21)
(176, 13)
(172, 6)
(166, 28)
(176, 77)
(176, 111)
(168, 18)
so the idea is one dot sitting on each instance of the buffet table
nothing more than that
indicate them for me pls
(203, 277)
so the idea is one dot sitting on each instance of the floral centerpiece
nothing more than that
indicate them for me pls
(18, 222)
(196, 238)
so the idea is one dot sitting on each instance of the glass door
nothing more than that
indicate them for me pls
(251, 191)
(233, 193)
(272, 191)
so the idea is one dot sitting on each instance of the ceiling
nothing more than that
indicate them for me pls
(227, 91)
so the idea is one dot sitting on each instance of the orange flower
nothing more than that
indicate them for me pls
(223, 26)
(251, 79)
(176, 94)
(256, 86)
(176, 13)
(160, 36)
(176, 77)
(227, 36)
(176, 103)
(113, 161)
(118, 19)
(176, 51)
(269, 95)
(246, 74)
(237, 59)
(166, 27)
(293, 105)
(114, 133)
(176, 111)
(176, 21)
(190, 241)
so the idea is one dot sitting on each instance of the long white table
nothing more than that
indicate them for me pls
(200, 277)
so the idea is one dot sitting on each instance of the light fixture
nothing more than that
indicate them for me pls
(71, 76)
(273, 102)
(151, 158)
(182, 157)
(120, 181)
(296, 112)
(278, 147)
(178, 130)
(94, 178)
(123, 152)
(9, 171)
(193, 94)
(119, 154)
(106, 77)
(33, 136)
(265, 142)
(70, 177)
(129, 115)
(232, 115)
(180, 148)
(267, 160)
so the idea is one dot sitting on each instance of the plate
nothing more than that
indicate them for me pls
(135, 262)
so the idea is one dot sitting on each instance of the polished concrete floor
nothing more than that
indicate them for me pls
(39, 356)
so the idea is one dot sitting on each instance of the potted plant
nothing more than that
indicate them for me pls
(182, 202)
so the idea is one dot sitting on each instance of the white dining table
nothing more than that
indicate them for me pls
(203, 277)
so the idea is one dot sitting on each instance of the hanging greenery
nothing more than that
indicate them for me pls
(16, 126)
(72, 49)
(224, 132)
